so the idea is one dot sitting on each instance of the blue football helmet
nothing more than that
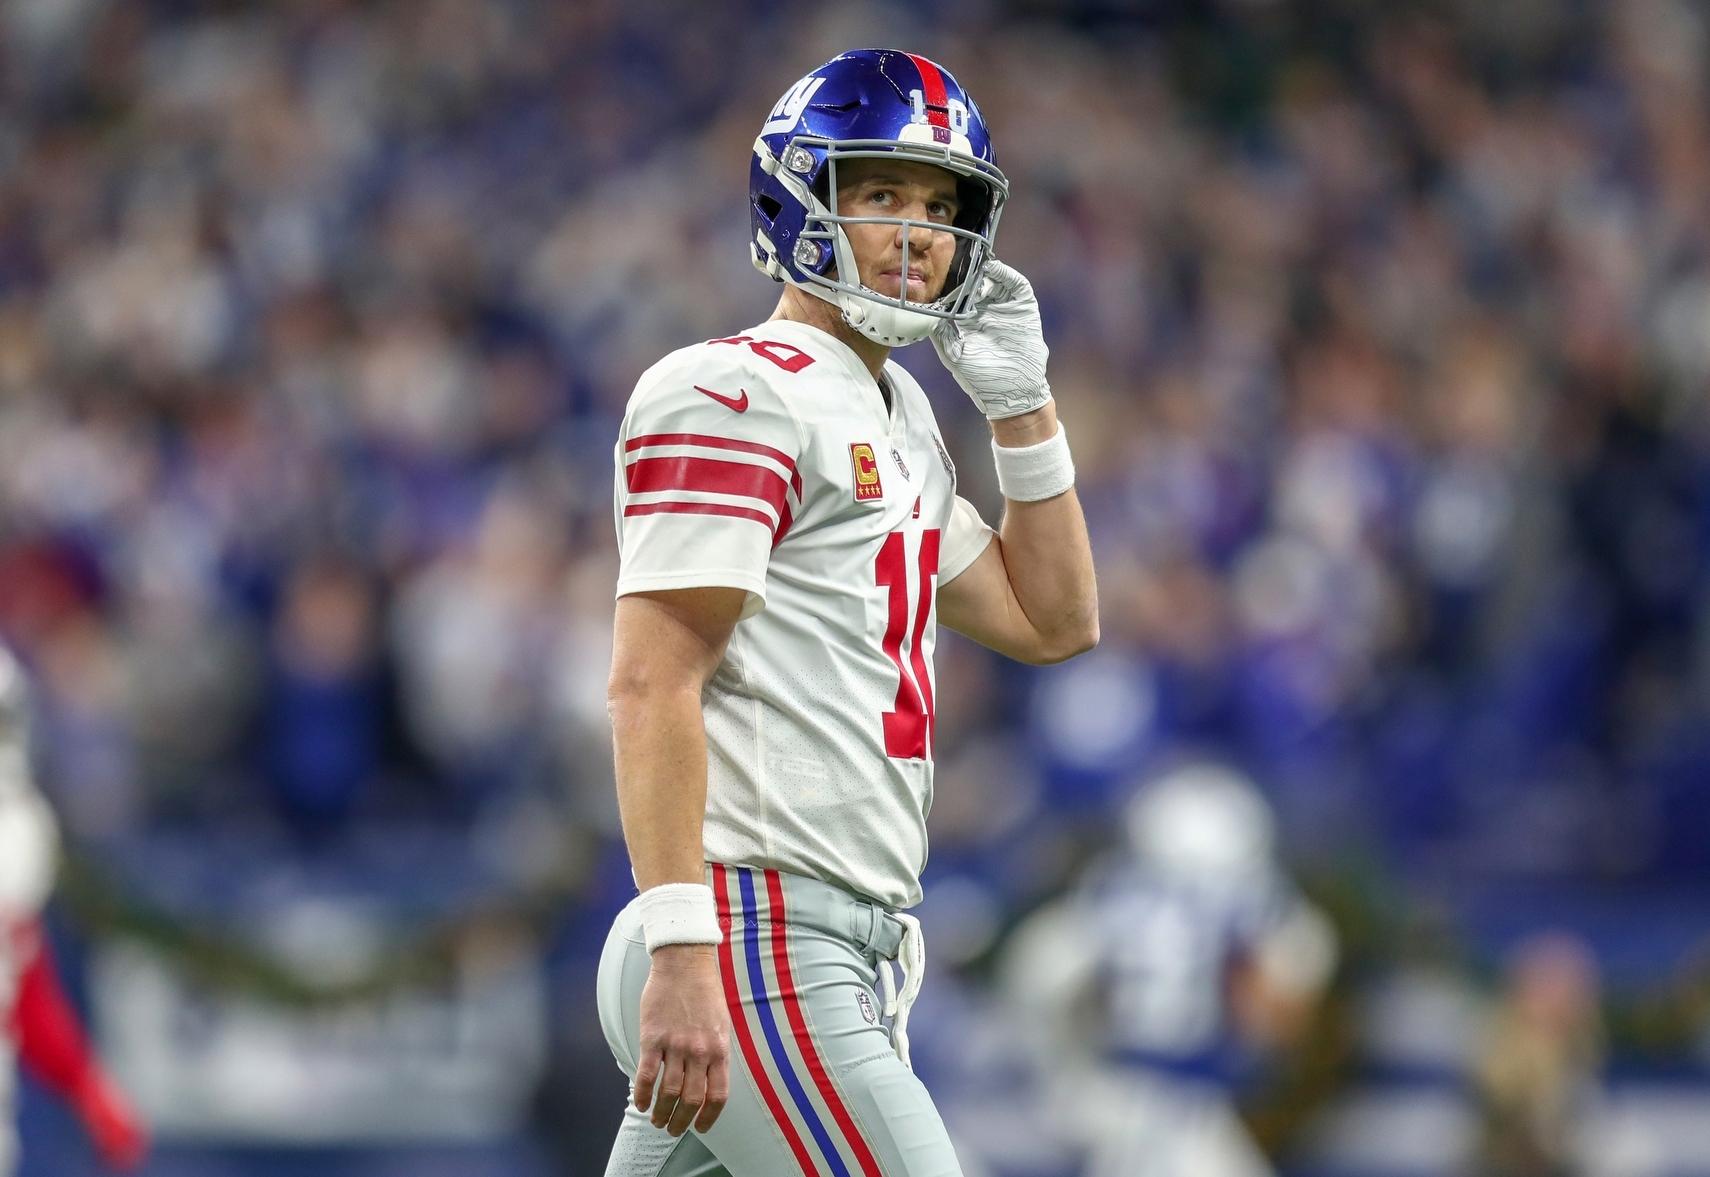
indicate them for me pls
(866, 104)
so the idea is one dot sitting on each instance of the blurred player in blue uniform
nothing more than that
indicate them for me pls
(1183, 952)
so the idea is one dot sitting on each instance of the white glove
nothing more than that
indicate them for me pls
(998, 356)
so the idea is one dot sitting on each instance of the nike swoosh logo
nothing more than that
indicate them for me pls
(739, 403)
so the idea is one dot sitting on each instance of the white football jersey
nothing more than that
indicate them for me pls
(1166, 946)
(769, 462)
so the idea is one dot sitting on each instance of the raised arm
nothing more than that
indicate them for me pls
(1031, 594)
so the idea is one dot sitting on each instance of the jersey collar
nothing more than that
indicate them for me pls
(836, 349)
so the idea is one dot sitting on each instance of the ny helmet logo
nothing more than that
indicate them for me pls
(788, 112)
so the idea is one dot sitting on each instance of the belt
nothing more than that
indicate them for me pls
(836, 912)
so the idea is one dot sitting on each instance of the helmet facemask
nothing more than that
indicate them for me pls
(824, 256)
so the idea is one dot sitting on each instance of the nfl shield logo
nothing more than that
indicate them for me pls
(867, 1010)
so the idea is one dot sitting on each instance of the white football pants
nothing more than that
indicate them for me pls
(816, 1089)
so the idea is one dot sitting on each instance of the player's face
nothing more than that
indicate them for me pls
(899, 188)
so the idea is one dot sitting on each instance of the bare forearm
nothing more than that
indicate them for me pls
(659, 740)
(1049, 563)
(1046, 552)
(682, 1073)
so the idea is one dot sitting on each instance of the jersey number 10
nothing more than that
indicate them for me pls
(908, 728)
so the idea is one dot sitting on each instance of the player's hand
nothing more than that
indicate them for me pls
(998, 356)
(684, 1069)
(112, 1124)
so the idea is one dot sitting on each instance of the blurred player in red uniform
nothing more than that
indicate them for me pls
(42, 1031)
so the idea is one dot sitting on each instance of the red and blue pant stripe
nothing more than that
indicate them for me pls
(757, 992)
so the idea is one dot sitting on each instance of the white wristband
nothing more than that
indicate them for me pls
(1029, 473)
(679, 913)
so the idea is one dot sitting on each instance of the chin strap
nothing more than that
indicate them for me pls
(911, 957)
(885, 324)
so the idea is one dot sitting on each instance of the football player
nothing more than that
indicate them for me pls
(1185, 951)
(41, 1030)
(790, 537)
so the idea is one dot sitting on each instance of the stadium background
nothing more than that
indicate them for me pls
(1383, 331)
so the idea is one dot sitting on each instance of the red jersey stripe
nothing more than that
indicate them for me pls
(699, 509)
(804, 1040)
(932, 88)
(745, 1033)
(719, 443)
(711, 475)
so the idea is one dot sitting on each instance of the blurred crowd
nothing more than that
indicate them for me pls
(1386, 337)
(1382, 332)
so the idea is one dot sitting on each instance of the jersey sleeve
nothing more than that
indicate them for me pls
(707, 478)
(50, 1039)
(964, 539)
